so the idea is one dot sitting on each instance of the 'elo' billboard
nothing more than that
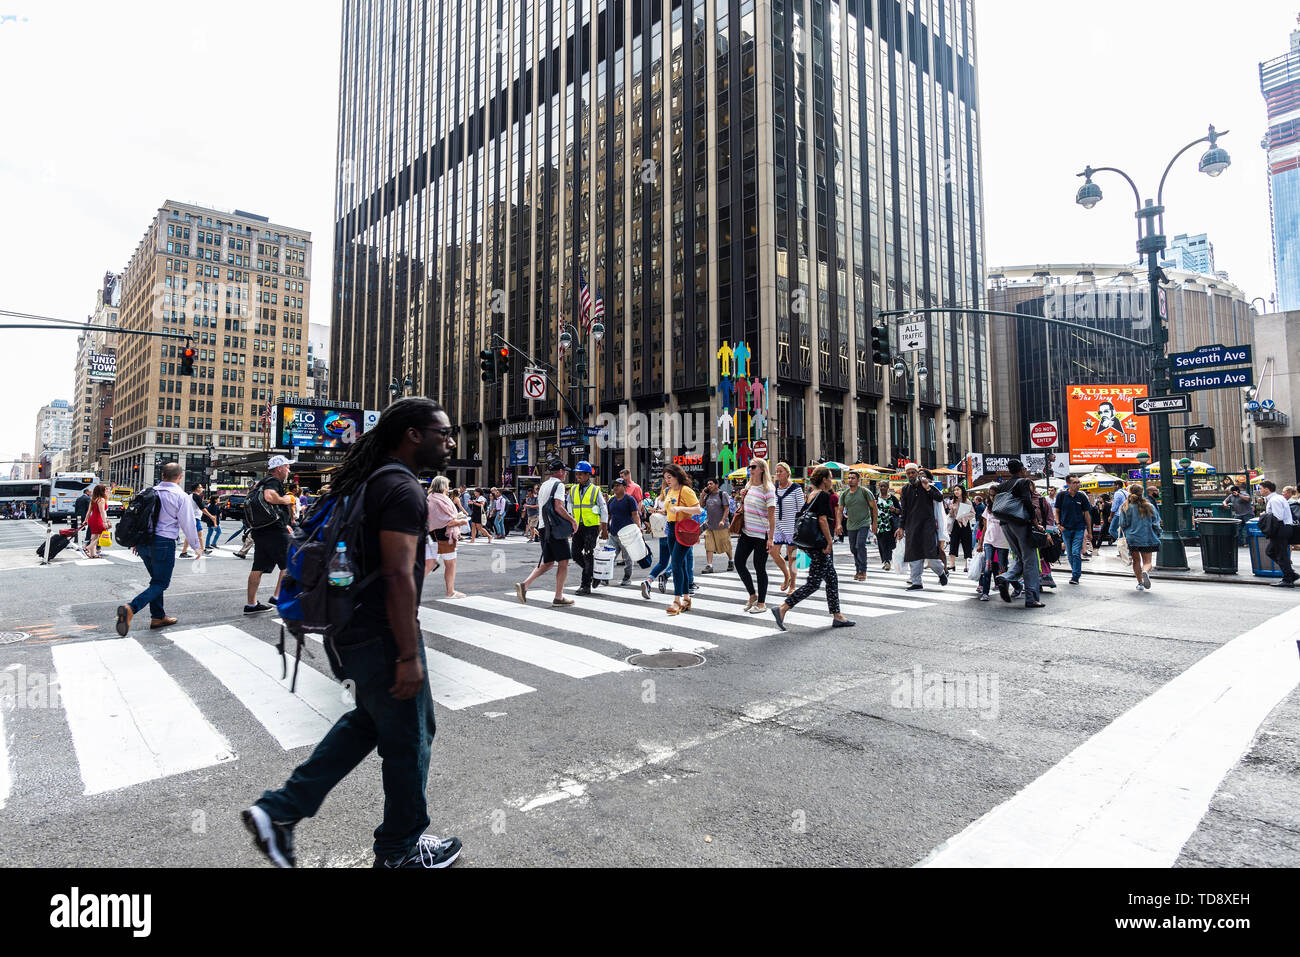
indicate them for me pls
(304, 427)
(1102, 425)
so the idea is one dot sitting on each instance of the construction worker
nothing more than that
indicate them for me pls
(587, 505)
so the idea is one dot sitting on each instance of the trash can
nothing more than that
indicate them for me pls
(1260, 563)
(1218, 545)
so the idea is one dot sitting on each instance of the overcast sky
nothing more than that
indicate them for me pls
(111, 108)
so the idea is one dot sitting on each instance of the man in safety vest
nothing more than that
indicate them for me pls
(587, 506)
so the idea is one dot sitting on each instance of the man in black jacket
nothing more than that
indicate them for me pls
(1017, 532)
(920, 528)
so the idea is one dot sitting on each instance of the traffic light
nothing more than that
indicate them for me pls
(880, 345)
(487, 361)
(502, 362)
(187, 361)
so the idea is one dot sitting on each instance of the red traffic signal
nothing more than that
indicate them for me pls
(187, 361)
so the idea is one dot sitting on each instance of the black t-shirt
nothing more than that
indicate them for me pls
(273, 484)
(395, 502)
(821, 505)
(199, 506)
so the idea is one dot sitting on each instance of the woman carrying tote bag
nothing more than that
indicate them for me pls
(444, 527)
(813, 536)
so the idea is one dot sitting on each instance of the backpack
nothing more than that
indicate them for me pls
(556, 527)
(308, 604)
(257, 513)
(139, 519)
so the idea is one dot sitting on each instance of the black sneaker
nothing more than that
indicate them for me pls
(943, 579)
(645, 589)
(663, 584)
(272, 838)
(274, 600)
(428, 852)
(627, 580)
(1004, 589)
(584, 590)
(694, 588)
(916, 587)
(731, 566)
(255, 609)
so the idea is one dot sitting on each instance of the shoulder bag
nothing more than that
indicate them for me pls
(738, 520)
(687, 528)
(808, 530)
(1008, 507)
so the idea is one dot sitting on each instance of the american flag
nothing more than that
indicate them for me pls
(266, 416)
(597, 311)
(585, 296)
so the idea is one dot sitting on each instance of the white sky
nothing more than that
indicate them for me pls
(110, 109)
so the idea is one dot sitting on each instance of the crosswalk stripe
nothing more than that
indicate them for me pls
(629, 636)
(542, 652)
(130, 721)
(711, 626)
(878, 585)
(6, 779)
(815, 602)
(93, 561)
(457, 684)
(845, 592)
(250, 669)
(124, 556)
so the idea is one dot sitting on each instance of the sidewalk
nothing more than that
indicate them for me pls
(1104, 562)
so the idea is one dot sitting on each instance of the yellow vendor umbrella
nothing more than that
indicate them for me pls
(1100, 482)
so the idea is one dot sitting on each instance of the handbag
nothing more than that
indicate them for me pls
(1009, 508)
(808, 530)
(687, 530)
(106, 539)
(1038, 539)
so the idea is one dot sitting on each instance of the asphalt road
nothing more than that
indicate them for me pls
(1086, 728)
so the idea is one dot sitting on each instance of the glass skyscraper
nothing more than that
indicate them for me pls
(1279, 79)
(718, 171)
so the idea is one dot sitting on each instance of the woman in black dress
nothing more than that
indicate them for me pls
(476, 505)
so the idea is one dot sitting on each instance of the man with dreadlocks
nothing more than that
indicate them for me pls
(380, 652)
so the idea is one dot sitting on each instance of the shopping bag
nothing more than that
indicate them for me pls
(106, 539)
(603, 563)
(900, 549)
(976, 567)
(802, 561)
(1122, 552)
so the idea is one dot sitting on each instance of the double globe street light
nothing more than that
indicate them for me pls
(1151, 243)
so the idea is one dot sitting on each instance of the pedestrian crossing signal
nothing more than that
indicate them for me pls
(187, 361)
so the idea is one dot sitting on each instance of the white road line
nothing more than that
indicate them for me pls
(250, 668)
(94, 561)
(130, 721)
(544, 653)
(812, 612)
(845, 593)
(576, 781)
(641, 610)
(573, 620)
(125, 556)
(1132, 794)
(457, 684)
(6, 778)
(878, 584)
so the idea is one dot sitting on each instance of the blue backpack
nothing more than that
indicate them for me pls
(308, 604)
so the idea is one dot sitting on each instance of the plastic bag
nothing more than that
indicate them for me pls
(976, 567)
(802, 560)
(900, 549)
(106, 539)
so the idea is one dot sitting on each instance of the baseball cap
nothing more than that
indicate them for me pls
(278, 460)
(619, 481)
(555, 465)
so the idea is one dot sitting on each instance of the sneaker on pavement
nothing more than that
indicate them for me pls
(645, 589)
(124, 616)
(1004, 589)
(1146, 581)
(943, 579)
(429, 851)
(255, 609)
(983, 597)
(272, 838)
(706, 570)
(584, 590)
(564, 602)
(731, 566)
(521, 592)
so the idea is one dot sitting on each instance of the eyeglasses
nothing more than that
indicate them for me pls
(445, 433)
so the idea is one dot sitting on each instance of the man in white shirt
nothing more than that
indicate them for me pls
(555, 550)
(1279, 543)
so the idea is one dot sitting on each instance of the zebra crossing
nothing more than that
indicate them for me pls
(135, 716)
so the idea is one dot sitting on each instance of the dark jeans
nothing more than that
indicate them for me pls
(858, 540)
(1241, 532)
(995, 563)
(402, 730)
(1027, 565)
(1073, 541)
(214, 536)
(748, 545)
(159, 557)
(584, 544)
(665, 555)
(885, 542)
(683, 567)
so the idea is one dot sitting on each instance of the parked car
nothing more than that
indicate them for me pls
(232, 505)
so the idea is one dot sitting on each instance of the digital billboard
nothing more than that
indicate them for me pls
(303, 427)
(1102, 425)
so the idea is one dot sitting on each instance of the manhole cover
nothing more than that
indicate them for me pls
(12, 637)
(667, 659)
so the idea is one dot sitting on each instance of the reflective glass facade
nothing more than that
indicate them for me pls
(765, 171)
(1279, 81)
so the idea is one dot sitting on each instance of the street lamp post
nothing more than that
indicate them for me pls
(1151, 243)
(1143, 459)
(570, 337)
(207, 471)
(918, 375)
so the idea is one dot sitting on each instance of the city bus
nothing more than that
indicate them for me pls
(29, 495)
(66, 489)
